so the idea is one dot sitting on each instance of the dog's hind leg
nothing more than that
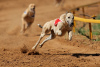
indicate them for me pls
(41, 36)
(29, 24)
(23, 28)
(48, 38)
(24, 23)
(35, 46)
(52, 35)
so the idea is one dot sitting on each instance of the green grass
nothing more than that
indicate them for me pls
(83, 32)
(95, 30)
(96, 33)
(96, 27)
(98, 39)
(98, 17)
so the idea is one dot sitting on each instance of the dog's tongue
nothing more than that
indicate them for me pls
(56, 21)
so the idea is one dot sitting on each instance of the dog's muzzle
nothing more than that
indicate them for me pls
(72, 24)
(33, 8)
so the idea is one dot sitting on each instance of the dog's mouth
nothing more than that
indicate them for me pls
(33, 8)
(71, 25)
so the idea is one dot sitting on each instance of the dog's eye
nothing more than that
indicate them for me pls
(68, 17)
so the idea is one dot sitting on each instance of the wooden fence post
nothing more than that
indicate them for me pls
(83, 12)
(90, 29)
(74, 23)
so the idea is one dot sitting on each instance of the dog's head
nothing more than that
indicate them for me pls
(69, 19)
(32, 7)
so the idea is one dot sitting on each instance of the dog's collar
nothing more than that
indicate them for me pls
(26, 13)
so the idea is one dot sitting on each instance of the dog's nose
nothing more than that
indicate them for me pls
(71, 24)
(33, 8)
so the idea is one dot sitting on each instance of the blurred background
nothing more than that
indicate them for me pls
(58, 52)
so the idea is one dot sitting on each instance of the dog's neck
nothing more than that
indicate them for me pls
(31, 13)
(65, 24)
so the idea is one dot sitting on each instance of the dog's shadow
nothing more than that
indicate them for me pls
(78, 55)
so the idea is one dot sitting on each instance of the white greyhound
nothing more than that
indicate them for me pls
(65, 23)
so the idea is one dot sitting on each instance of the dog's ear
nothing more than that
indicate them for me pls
(31, 5)
(34, 6)
(66, 12)
(62, 17)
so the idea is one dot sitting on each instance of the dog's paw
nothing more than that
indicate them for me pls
(22, 32)
(40, 46)
(31, 52)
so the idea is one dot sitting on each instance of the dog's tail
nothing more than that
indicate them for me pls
(40, 26)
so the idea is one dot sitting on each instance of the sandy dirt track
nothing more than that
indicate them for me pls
(80, 52)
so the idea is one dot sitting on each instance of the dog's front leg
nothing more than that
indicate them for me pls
(70, 34)
(23, 26)
(29, 25)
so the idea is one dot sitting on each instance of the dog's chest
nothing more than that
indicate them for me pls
(29, 19)
(30, 15)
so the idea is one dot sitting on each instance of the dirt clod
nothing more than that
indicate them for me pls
(24, 49)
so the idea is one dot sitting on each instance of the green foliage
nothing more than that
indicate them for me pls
(98, 39)
(96, 27)
(96, 33)
(83, 32)
(98, 17)
(95, 30)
